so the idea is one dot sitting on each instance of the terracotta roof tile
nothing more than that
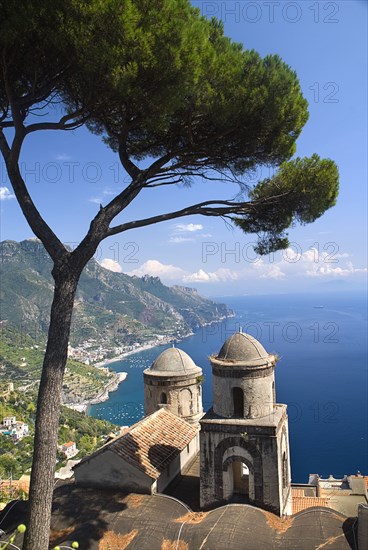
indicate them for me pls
(297, 492)
(152, 443)
(301, 503)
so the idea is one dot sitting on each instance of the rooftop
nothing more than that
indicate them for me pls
(243, 349)
(151, 444)
(302, 502)
(97, 519)
(173, 361)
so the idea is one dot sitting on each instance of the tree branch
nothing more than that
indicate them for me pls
(201, 208)
(7, 124)
(62, 124)
(131, 168)
(99, 227)
(38, 225)
(37, 95)
(223, 209)
(172, 182)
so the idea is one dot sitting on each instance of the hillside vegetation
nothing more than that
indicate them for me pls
(16, 457)
(21, 358)
(112, 307)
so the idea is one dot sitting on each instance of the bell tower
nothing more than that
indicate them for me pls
(174, 382)
(244, 438)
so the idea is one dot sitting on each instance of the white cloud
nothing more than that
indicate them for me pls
(180, 228)
(286, 266)
(311, 263)
(328, 271)
(157, 269)
(6, 194)
(179, 240)
(274, 272)
(188, 227)
(218, 276)
(63, 156)
(267, 270)
(112, 265)
(108, 192)
(315, 263)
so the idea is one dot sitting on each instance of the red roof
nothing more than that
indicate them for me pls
(151, 444)
(69, 444)
(301, 503)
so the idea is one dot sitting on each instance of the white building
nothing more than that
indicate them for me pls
(9, 421)
(69, 449)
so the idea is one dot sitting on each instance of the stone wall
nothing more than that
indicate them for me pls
(183, 396)
(108, 470)
(256, 445)
(258, 393)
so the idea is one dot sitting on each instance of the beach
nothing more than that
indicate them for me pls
(144, 347)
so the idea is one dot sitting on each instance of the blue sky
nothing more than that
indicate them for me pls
(70, 173)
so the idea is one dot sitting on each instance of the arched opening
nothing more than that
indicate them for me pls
(228, 451)
(186, 403)
(238, 401)
(237, 481)
(163, 398)
(240, 479)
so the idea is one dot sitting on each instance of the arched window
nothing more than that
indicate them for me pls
(238, 401)
(186, 402)
(163, 398)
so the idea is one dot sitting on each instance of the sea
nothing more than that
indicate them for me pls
(321, 341)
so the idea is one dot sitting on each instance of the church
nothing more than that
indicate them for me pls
(181, 479)
(242, 442)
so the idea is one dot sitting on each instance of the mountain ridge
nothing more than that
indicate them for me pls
(114, 307)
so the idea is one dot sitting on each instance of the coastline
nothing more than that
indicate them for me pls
(119, 377)
(102, 396)
(121, 356)
(163, 342)
(113, 384)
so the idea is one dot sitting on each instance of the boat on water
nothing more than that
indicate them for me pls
(318, 307)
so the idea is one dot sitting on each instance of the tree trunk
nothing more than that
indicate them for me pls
(48, 412)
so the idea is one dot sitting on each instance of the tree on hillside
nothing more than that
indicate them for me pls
(163, 85)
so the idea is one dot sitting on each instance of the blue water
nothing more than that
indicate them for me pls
(321, 375)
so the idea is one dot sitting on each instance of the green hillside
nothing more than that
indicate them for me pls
(21, 360)
(113, 307)
(16, 457)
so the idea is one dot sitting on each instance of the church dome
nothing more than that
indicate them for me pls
(173, 361)
(243, 348)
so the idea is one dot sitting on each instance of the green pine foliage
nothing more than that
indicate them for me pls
(159, 81)
(301, 191)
